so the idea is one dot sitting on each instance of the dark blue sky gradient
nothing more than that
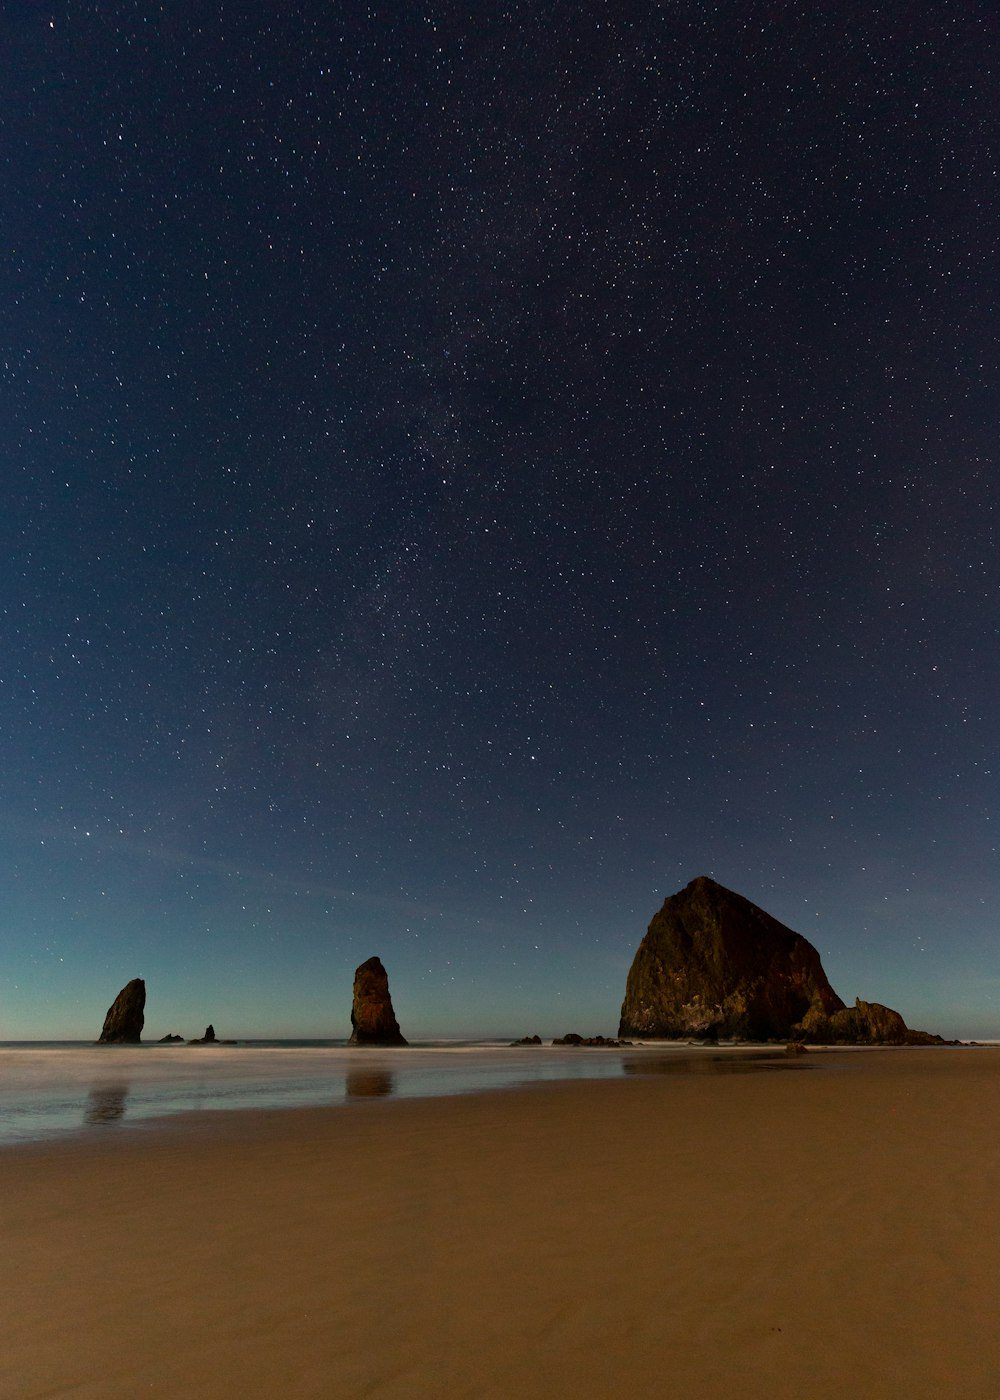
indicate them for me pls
(466, 474)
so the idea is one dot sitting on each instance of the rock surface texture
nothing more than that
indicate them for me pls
(714, 965)
(126, 1015)
(373, 1021)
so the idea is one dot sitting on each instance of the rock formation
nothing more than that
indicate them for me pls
(527, 1040)
(373, 1021)
(712, 964)
(865, 1023)
(170, 1040)
(209, 1038)
(571, 1038)
(125, 1019)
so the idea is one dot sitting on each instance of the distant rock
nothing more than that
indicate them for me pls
(373, 1020)
(527, 1040)
(170, 1040)
(209, 1038)
(573, 1039)
(125, 1019)
(928, 1038)
(712, 964)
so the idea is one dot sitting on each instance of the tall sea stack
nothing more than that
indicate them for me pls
(373, 1020)
(125, 1019)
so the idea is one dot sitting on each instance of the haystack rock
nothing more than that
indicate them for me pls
(373, 1020)
(125, 1019)
(714, 965)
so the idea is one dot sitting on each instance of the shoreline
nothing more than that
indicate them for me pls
(50, 1093)
(244, 1123)
(826, 1232)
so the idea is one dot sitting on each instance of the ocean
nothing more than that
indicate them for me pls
(50, 1089)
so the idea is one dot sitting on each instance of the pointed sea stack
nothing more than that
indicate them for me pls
(125, 1019)
(712, 964)
(373, 1020)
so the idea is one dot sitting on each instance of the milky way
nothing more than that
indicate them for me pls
(468, 474)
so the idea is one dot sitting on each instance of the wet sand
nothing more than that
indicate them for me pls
(829, 1231)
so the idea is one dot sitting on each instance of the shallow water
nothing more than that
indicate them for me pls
(49, 1090)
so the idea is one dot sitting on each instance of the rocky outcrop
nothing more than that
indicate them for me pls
(373, 1021)
(573, 1039)
(170, 1040)
(209, 1038)
(126, 1015)
(712, 964)
(864, 1023)
(527, 1040)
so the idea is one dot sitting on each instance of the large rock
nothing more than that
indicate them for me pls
(714, 965)
(126, 1015)
(373, 1020)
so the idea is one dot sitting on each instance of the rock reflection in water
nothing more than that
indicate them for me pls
(370, 1083)
(701, 1063)
(106, 1104)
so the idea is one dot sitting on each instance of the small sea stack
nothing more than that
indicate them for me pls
(373, 1021)
(126, 1015)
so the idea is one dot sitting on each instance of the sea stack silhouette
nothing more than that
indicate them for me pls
(712, 965)
(125, 1019)
(373, 1021)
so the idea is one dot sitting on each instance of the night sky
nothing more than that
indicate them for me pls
(465, 473)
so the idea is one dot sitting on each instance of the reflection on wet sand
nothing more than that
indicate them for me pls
(753, 1063)
(369, 1083)
(106, 1104)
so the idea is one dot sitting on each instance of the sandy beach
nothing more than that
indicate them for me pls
(825, 1232)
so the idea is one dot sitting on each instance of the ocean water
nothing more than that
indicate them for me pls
(49, 1090)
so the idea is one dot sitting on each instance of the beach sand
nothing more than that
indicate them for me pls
(830, 1231)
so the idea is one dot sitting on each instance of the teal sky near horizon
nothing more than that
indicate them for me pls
(467, 473)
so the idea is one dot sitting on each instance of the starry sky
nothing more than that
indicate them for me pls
(467, 471)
